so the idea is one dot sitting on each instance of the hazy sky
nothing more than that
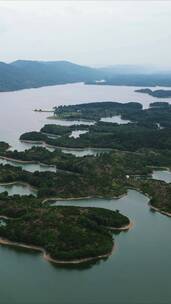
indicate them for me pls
(87, 32)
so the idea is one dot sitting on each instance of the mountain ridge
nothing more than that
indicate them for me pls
(26, 74)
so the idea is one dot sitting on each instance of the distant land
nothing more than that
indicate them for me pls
(156, 93)
(25, 74)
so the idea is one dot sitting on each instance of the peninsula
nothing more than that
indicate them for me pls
(156, 93)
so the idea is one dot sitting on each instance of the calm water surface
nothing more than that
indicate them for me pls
(164, 175)
(77, 133)
(115, 119)
(138, 272)
(17, 188)
(17, 115)
(28, 166)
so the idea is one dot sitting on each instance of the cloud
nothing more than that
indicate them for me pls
(87, 32)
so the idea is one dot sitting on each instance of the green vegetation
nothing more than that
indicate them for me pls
(22, 74)
(138, 79)
(95, 110)
(131, 137)
(66, 184)
(150, 128)
(156, 93)
(106, 175)
(66, 233)
(3, 146)
(34, 136)
(33, 74)
(58, 130)
(158, 191)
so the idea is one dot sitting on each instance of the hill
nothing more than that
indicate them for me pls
(23, 74)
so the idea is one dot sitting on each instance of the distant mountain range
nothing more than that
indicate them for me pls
(32, 74)
(22, 74)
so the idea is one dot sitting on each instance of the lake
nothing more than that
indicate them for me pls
(138, 271)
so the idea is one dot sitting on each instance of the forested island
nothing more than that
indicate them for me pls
(78, 234)
(64, 233)
(156, 93)
(149, 128)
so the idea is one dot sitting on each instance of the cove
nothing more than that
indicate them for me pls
(31, 167)
(123, 278)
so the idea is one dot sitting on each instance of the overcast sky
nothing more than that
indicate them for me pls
(87, 32)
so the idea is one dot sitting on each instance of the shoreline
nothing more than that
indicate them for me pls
(48, 258)
(123, 228)
(56, 199)
(63, 147)
(26, 162)
(55, 117)
(20, 183)
(81, 198)
(160, 211)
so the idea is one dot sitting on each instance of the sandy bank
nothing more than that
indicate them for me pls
(160, 211)
(47, 257)
(27, 162)
(123, 228)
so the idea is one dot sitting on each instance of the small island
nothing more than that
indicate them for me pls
(156, 93)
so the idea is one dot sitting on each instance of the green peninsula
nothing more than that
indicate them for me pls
(156, 93)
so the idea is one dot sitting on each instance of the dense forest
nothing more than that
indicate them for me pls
(66, 233)
(106, 175)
